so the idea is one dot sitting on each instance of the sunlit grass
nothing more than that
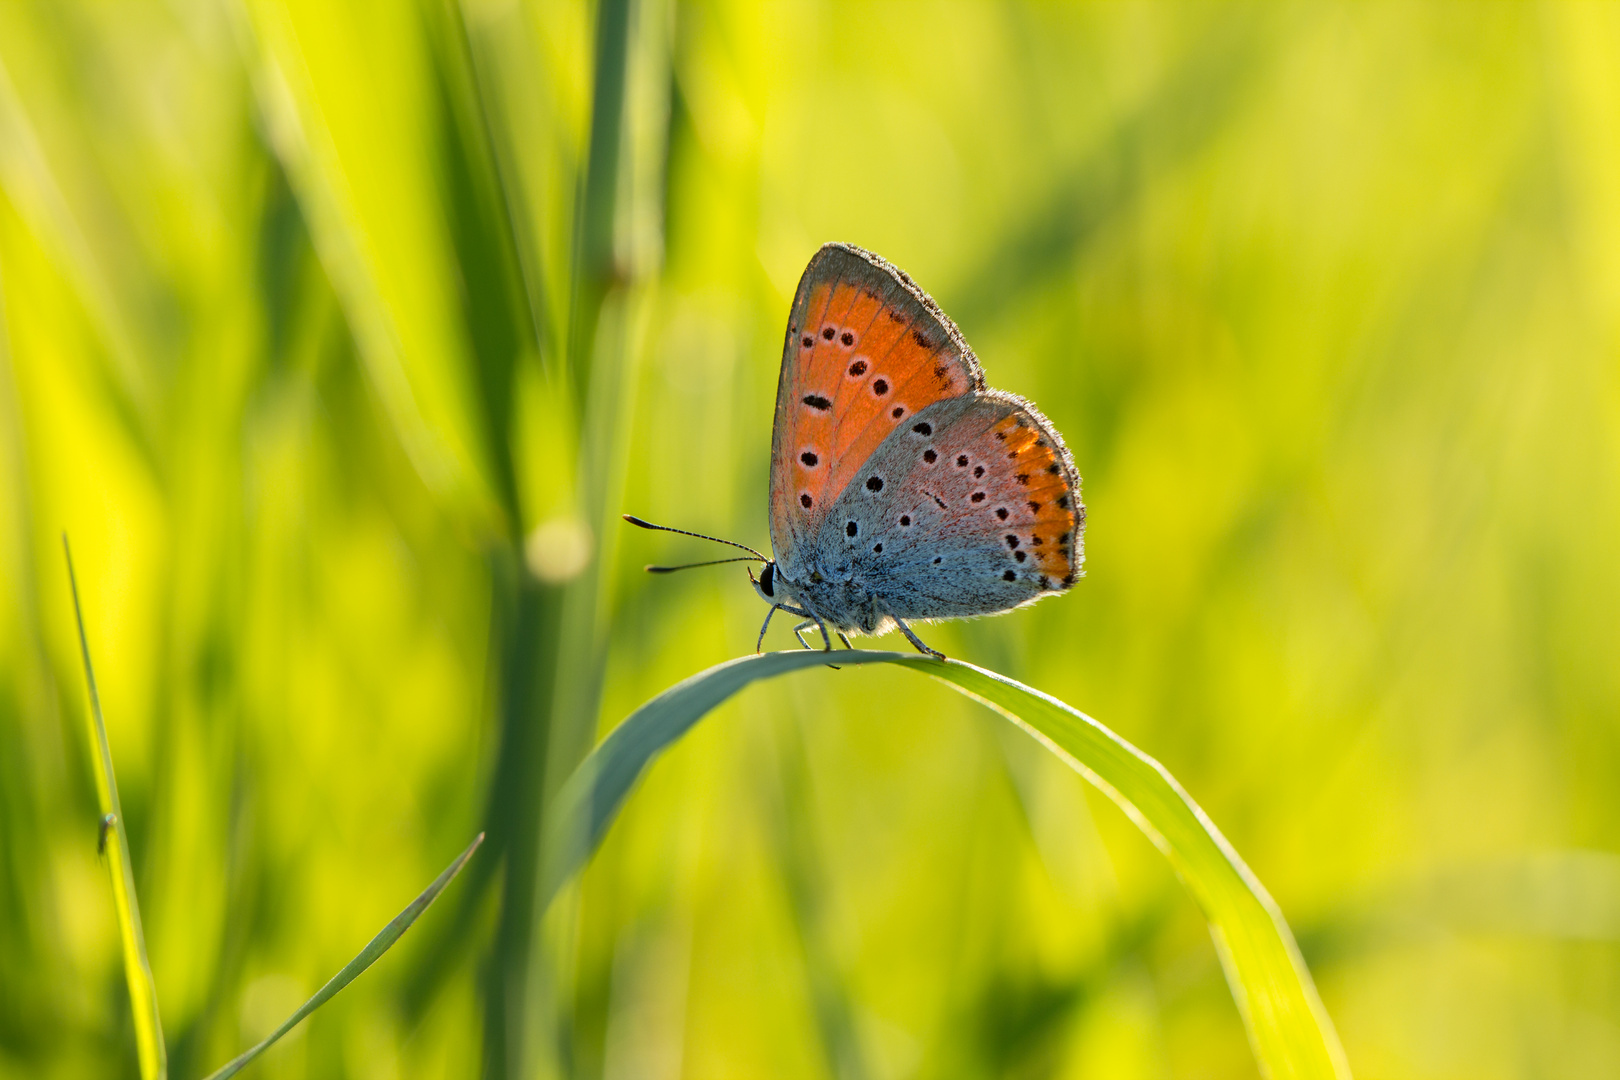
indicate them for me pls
(1292, 1034)
(337, 337)
(385, 939)
(113, 841)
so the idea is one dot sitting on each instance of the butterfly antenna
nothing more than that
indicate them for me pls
(691, 565)
(640, 524)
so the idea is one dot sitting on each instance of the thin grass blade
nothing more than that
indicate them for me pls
(1287, 1024)
(380, 944)
(149, 1046)
(1290, 1031)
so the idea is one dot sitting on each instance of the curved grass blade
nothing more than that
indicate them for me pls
(1289, 1030)
(368, 956)
(149, 1047)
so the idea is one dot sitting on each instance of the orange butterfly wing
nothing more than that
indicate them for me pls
(865, 349)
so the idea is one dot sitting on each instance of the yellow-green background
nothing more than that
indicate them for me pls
(337, 335)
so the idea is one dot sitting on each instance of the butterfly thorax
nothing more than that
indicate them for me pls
(827, 594)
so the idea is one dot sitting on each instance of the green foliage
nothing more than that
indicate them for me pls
(1292, 1034)
(113, 842)
(337, 336)
(365, 958)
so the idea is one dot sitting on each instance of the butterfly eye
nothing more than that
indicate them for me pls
(767, 580)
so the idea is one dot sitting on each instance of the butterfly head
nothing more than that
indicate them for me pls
(766, 584)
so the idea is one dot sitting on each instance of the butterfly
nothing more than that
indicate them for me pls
(903, 489)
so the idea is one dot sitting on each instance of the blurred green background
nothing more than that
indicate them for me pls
(337, 336)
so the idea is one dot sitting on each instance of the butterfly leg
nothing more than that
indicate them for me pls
(760, 643)
(845, 639)
(915, 640)
(798, 632)
(813, 621)
(826, 641)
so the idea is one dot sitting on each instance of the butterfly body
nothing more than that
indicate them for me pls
(902, 488)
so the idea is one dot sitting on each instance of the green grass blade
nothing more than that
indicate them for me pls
(1288, 1027)
(149, 1047)
(378, 945)
(1287, 1024)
